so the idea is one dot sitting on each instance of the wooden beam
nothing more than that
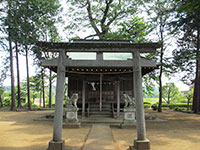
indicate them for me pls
(98, 63)
(111, 50)
(99, 47)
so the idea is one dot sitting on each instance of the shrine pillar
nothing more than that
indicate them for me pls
(57, 143)
(83, 98)
(118, 98)
(141, 143)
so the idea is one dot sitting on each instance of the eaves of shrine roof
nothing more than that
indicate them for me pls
(98, 46)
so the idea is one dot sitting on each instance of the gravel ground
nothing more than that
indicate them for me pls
(19, 131)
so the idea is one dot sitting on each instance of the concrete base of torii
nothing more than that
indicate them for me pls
(140, 145)
(56, 145)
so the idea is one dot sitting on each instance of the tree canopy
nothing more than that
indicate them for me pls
(186, 56)
(101, 16)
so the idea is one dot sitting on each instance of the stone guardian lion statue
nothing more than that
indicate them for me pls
(72, 101)
(129, 102)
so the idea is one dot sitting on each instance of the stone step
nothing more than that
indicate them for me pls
(97, 106)
(100, 120)
(103, 109)
(100, 113)
(101, 116)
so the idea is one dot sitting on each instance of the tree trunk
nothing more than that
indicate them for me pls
(188, 104)
(13, 104)
(1, 101)
(160, 91)
(43, 88)
(194, 105)
(40, 98)
(161, 68)
(19, 105)
(28, 82)
(33, 100)
(168, 97)
(50, 88)
(196, 95)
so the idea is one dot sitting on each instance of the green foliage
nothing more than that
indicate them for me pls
(26, 20)
(7, 102)
(32, 105)
(170, 106)
(23, 91)
(134, 29)
(189, 94)
(149, 81)
(35, 87)
(158, 10)
(2, 90)
(154, 106)
(170, 92)
(147, 105)
(100, 16)
(4, 67)
(187, 55)
(150, 100)
(185, 27)
(177, 108)
(184, 59)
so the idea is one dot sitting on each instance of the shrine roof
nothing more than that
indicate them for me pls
(98, 46)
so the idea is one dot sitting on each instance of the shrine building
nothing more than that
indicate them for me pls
(100, 71)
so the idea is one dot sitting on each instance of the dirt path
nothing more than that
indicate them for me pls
(100, 138)
(18, 131)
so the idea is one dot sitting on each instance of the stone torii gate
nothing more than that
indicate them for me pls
(141, 143)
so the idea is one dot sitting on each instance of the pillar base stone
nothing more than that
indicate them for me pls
(140, 145)
(56, 145)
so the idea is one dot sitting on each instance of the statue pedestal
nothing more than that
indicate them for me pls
(71, 117)
(129, 117)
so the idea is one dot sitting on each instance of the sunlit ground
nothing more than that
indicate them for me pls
(18, 131)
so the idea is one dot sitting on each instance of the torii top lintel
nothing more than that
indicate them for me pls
(99, 46)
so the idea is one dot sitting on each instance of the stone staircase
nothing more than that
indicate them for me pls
(93, 110)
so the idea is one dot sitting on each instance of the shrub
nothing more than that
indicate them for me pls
(7, 102)
(154, 106)
(34, 106)
(171, 106)
(26, 104)
(177, 108)
(147, 105)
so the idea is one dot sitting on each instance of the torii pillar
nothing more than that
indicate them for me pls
(141, 143)
(57, 143)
